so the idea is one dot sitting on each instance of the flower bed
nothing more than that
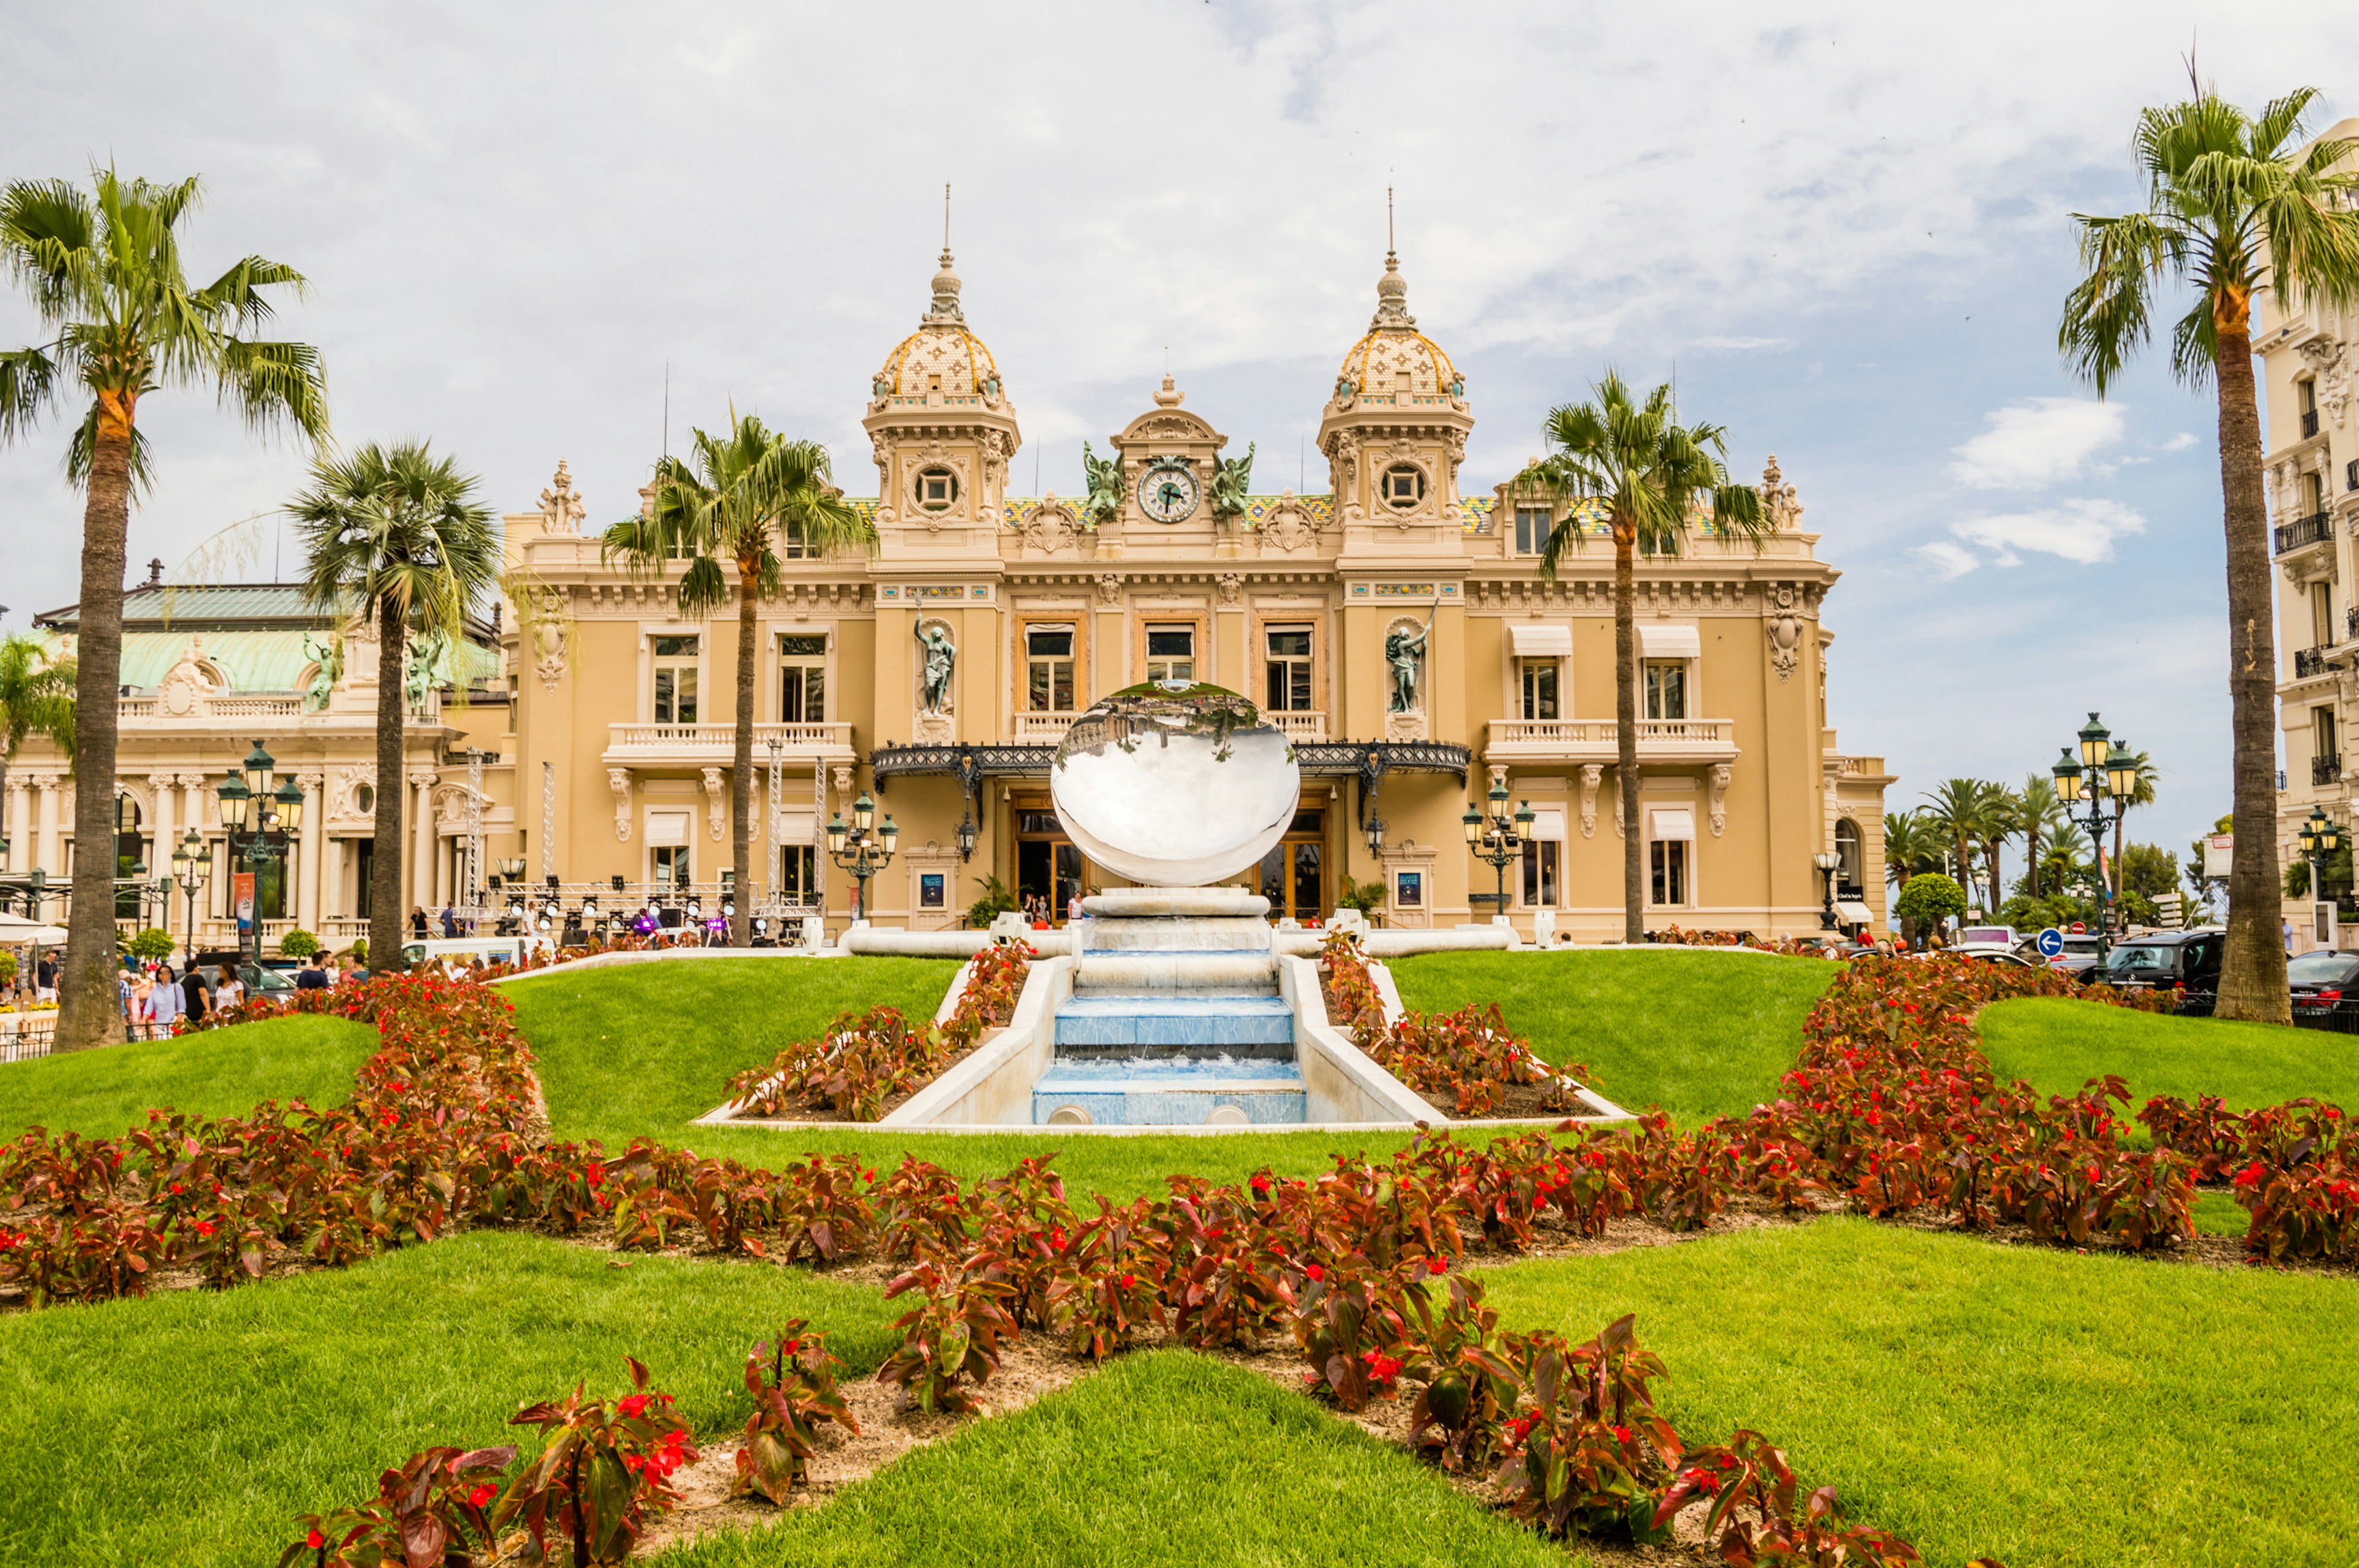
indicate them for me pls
(1468, 1060)
(865, 1063)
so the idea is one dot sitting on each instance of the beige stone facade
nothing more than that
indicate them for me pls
(939, 674)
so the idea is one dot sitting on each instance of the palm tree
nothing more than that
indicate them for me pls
(2042, 821)
(1654, 476)
(37, 698)
(2002, 818)
(1954, 812)
(104, 271)
(396, 535)
(2230, 210)
(2143, 794)
(1910, 846)
(747, 493)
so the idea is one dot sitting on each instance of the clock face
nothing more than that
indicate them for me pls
(1166, 491)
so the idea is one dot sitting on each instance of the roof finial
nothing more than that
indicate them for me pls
(1392, 289)
(946, 217)
(946, 281)
(1389, 248)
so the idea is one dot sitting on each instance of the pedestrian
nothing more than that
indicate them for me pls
(417, 932)
(192, 994)
(44, 978)
(311, 977)
(132, 989)
(229, 990)
(353, 973)
(450, 924)
(164, 1002)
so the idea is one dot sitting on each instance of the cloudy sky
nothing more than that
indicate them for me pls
(1843, 227)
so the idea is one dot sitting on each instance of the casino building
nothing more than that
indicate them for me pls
(1396, 627)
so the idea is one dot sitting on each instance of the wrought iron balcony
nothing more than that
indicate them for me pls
(2309, 424)
(2326, 770)
(2314, 529)
(2308, 661)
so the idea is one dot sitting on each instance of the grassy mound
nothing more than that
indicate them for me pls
(1164, 1458)
(220, 1072)
(2037, 1405)
(189, 1427)
(1698, 1035)
(2056, 1045)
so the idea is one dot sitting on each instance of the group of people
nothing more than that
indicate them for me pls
(419, 929)
(154, 999)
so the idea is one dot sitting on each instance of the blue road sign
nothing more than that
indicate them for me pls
(2051, 942)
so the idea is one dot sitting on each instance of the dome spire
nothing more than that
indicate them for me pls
(945, 307)
(1392, 289)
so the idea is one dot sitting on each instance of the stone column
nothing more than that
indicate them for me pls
(163, 824)
(421, 871)
(20, 824)
(307, 881)
(48, 854)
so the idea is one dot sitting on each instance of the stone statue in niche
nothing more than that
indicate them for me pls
(941, 658)
(1405, 651)
(418, 675)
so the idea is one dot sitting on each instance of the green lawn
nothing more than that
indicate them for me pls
(189, 1427)
(1698, 1035)
(2057, 1043)
(217, 1072)
(1165, 1457)
(2044, 1407)
(643, 1049)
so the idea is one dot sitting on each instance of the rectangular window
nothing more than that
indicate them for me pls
(2314, 494)
(676, 680)
(798, 871)
(1666, 689)
(1288, 671)
(2322, 732)
(802, 680)
(1172, 652)
(1049, 669)
(1540, 676)
(1670, 867)
(671, 867)
(1539, 874)
(2321, 613)
(1531, 530)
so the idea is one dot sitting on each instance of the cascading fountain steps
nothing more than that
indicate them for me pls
(1175, 1017)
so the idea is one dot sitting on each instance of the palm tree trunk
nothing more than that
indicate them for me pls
(385, 857)
(741, 783)
(89, 1010)
(2252, 966)
(1991, 853)
(1625, 725)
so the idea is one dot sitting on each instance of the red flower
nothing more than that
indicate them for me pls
(2250, 1175)
(790, 1346)
(1316, 1273)
(1261, 1186)
(1057, 1240)
(204, 1228)
(1621, 1434)
(483, 1492)
(867, 1176)
(1129, 1281)
(634, 1405)
(314, 1540)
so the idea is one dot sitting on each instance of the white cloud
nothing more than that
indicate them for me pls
(2180, 442)
(1740, 345)
(1951, 560)
(2078, 530)
(2037, 443)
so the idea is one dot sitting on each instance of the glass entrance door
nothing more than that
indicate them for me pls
(1048, 866)
(1293, 876)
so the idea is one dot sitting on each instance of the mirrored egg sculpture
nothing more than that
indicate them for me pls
(1175, 783)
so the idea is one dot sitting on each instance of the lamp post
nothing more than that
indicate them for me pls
(259, 823)
(863, 848)
(2099, 775)
(2319, 839)
(1827, 861)
(1498, 839)
(192, 867)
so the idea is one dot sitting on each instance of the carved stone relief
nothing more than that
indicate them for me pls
(1109, 587)
(716, 817)
(561, 510)
(1720, 776)
(1590, 773)
(619, 780)
(1785, 631)
(1052, 527)
(1231, 586)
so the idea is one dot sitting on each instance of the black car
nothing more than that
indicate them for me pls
(2325, 990)
(2165, 960)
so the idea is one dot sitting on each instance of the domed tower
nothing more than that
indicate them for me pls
(943, 430)
(1394, 431)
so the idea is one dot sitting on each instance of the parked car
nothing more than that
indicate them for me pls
(1973, 941)
(2078, 959)
(268, 979)
(2002, 958)
(2325, 987)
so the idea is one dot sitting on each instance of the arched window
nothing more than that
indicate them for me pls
(1850, 860)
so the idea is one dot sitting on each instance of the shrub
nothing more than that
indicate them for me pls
(435, 1508)
(950, 1340)
(602, 1473)
(997, 898)
(297, 943)
(1591, 1453)
(793, 1385)
(1927, 898)
(150, 945)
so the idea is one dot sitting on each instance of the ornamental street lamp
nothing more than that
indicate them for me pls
(2319, 841)
(862, 848)
(1827, 861)
(260, 824)
(192, 867)
(2100, 775)
(1498, 839)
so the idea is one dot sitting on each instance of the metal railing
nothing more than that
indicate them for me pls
(26, 1035)
(2308, 661)
(2308, 423)
(2314, 529)
(2326, 770)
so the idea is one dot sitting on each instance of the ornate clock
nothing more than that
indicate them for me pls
(1167, 490)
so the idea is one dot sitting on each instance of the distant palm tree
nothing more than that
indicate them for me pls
(749, 493)
(1654, 477)
(2231, 208)
(2141, 795)
(2001, 819)
(103, 271)
(37, 698)
(2042, 821)
(1955, 811)
(395, 535)
(1910, 846)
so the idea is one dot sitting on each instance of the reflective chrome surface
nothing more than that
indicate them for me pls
(1175, 784)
